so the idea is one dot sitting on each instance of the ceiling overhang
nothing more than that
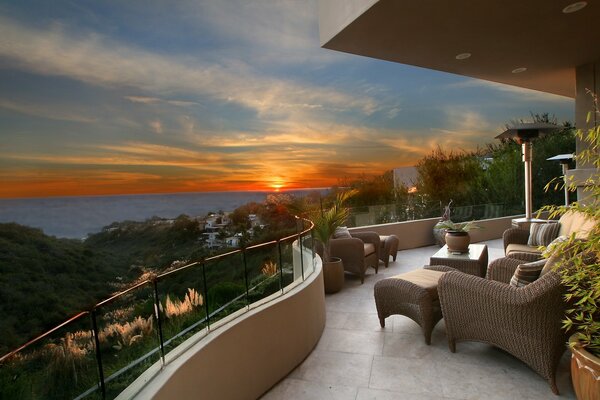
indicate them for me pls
(500, 36)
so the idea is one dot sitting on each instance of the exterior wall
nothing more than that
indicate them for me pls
(419, 233)
(335, 15)
(588, 78)
(245, 358)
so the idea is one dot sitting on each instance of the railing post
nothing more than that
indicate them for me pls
(301, 254)
(280, 265)
(312, 247)
(98, 356)
(159, 321)
(246, 277)
(205, 288)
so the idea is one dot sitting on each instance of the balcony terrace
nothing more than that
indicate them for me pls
(357, 359)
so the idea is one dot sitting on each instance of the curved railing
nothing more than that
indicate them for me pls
(99, 352)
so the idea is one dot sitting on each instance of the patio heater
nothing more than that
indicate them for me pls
(563, 159)
(524, 133)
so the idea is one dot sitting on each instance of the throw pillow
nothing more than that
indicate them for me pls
(550, 248)
(543, 234)
(527, 273)
(342, 232)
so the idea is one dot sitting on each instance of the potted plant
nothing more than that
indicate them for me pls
(579, 269)
(326, 221)
(457, 234)
(438, 229)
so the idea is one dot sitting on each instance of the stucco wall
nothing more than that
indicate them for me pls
(419, 233)
(246, 357)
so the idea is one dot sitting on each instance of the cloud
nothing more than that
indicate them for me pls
(523, 94)
(155, 100)
(266, 32)
(143, 99)
(156, 126)
(97, 60)
(44, 111)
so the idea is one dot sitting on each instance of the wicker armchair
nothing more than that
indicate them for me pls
(358, 253)
(515, 240)
(526, 322)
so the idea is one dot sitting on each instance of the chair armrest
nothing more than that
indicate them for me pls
(472, 292)
(515, 235)
(525, 257)
(502, 269)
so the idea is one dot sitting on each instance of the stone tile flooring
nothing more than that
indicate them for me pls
(356, 359)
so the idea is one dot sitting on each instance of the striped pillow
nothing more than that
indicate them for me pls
(527, 273)
(543, 234)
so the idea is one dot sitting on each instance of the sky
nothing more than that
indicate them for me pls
(126, 97)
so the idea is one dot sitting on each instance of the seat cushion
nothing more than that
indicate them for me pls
(521, 248)
(543, 234)
(527, 273)
(425, 278)
(577, 222)
(369, 248)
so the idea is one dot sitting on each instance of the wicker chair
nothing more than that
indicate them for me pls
(358, 253)
(515, 240)
(525, 322)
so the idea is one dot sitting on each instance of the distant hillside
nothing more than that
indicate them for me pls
(45, 280)
(154, 243)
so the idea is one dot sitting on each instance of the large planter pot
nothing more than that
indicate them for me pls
(585, 372)
(333, 275)
(458, 241)
(439, 234)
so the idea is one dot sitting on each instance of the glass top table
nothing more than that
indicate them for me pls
(474, 262)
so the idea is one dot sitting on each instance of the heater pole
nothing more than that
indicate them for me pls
(526, 146)
(565, 169)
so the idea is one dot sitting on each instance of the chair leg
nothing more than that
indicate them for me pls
(382, 322)
(452, 345)
(554, 387)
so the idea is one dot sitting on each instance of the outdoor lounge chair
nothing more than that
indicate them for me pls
(524, 321)
(515, 239)
(358, 252)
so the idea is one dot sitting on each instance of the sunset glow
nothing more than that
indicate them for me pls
(129, 97)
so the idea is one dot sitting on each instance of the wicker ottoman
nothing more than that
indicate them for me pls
(412, 294)
(388, 247)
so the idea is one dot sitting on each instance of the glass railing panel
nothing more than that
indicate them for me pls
(307, 254)
(128, 336)
(287, 261)
(264, 271)
(62, 365)
(182, 299)
(226, 283)
(137, 326)
(399, 212)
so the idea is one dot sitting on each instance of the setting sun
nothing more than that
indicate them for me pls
(277, 184)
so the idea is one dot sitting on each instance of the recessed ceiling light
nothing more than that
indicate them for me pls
(463, 56)
(519, 70)
(574, 7)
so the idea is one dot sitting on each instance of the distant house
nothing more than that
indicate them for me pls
(234, 241)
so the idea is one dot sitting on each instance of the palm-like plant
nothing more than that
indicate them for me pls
(326, 220)
(458, 226)
(579, 264)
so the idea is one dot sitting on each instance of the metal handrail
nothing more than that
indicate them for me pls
(157, 314)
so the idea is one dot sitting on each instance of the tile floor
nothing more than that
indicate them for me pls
(356, 359)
